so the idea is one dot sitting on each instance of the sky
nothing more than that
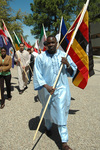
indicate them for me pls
(24, 5)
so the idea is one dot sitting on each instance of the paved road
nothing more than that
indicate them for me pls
(19, 118)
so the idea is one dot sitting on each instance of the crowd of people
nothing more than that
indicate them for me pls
(46, 67)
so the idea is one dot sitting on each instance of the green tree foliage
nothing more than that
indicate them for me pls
(13, 22)
(93, 8)
(49, 12)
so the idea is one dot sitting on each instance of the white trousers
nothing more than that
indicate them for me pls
(22, 79)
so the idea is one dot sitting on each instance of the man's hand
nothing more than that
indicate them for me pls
(23, 67)
(19, 60)
(64, 61)
(50, 89)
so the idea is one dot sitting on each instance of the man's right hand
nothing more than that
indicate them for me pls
(50, 89)
(19, 60)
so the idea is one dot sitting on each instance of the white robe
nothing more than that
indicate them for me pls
(25, 60)
(46, 69)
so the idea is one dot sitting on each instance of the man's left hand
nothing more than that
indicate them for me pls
(64, 61)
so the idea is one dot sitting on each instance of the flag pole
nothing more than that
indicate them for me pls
(80, 21)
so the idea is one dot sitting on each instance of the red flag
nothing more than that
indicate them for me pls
(5, 39)
(79, 50)
(25, 43)
(7, 32)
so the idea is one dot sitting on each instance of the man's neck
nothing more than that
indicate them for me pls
(21, 51)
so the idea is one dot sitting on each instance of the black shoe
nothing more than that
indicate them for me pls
(21, 91)
(9, 98)
(2, 106)
(25, 88)
(48, 132)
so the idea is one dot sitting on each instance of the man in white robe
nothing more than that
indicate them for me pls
(46, 69)
(22, 58)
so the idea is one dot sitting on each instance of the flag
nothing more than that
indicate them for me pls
(36, 46)
(1, 41)
(5, 39)
(62, 32)
(17, 41)
(10, 51)
(42, 39)
(25, 43)
(79, 50)
(9, 47)
(6, 31)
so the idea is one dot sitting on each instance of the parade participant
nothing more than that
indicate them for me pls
(34, 52)
(22, 58)
(31, 65)
(5, 75)
(46, 69)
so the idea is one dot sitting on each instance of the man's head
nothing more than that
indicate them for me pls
(29, 50)
(52, 43)
(32, 49)
(21, 46)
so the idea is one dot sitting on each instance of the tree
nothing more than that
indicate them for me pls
(93, 8)
(49, 12)
(13, 22)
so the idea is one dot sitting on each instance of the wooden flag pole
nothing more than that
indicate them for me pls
(80, 20)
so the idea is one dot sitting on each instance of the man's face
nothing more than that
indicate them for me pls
(21, 47)
(52, 43)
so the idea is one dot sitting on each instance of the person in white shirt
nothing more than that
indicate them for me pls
(23, 59)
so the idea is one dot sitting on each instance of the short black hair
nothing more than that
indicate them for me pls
(21, 43)
(4, 48)
(52, 36)
(28, 49)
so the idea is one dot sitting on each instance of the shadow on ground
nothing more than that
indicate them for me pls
(36, 98)
(33, 123)
(72, 112)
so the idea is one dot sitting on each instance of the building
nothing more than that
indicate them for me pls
(95, 37)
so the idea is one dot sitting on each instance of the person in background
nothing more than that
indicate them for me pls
(46, 45)
(46, 68)
(5, 75)
(23, 59)
(34, 52)
(31, 64)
